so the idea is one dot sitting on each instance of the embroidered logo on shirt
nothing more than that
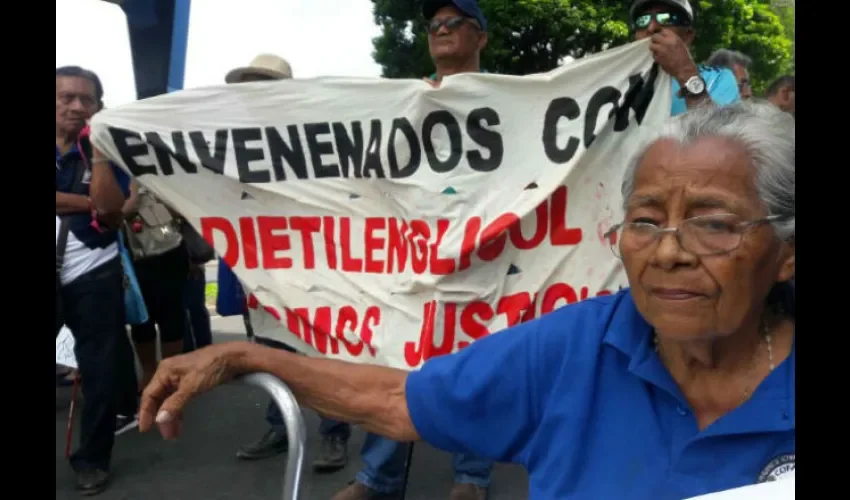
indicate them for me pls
(778, 467)
(86, 177)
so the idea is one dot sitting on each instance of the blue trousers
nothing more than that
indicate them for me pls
(327, 427)
(384, 466)
(199, 333)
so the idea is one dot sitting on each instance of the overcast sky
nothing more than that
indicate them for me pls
(317, 37)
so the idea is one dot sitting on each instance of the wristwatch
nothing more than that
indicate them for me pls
(695, 86)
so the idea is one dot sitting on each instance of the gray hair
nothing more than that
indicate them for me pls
(768, 136)
(78, 72)
(726, 58)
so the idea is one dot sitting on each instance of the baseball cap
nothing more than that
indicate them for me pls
(682, 6)
(468, 8)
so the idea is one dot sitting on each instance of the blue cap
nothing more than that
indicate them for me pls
(468, 8)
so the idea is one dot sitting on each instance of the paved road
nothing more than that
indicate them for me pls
(211, 271)
(202, 464)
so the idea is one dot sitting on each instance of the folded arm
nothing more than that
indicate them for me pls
(105, 192)
(71, 203)
(132, 203)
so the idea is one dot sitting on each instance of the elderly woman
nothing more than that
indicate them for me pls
(680, 385)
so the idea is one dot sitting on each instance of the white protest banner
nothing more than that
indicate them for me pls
(781, 489)
(386, 221)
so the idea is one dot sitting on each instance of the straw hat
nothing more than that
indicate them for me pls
(268, 65)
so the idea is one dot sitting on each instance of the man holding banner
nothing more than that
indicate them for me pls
(333, 454)
(669, 23)
(456, 36)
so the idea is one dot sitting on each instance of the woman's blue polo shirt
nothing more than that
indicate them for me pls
(580, 398)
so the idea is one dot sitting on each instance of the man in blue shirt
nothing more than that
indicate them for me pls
(333, 451)
(670, 25)
(737, 62)
(90, 193)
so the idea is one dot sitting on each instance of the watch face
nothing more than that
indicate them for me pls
(695, 85)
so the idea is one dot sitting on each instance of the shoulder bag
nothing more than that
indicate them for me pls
(154, 230)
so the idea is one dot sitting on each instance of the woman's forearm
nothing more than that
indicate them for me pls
(372, 397)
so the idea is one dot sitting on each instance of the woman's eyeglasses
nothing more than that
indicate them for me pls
(703, 235)
(662, 18)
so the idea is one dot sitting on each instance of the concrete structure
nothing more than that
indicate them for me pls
(158, 32)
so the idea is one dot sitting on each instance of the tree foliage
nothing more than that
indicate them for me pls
(530, 36)
(749, 26)
(785, 10)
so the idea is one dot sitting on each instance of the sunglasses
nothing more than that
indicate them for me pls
(451, 23)
(663, 18)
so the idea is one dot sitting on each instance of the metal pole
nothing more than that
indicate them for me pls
(295, 430)
(407, 470)
(249, 328)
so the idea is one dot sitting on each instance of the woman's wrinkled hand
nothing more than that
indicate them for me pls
(181, 378)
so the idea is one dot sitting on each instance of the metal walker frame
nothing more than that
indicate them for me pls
(296, 433)
(295, 429)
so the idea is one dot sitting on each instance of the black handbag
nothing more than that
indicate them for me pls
(200, 252)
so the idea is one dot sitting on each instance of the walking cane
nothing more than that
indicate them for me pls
(249, 328)
(69, 431)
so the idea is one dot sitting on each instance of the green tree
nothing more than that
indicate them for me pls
(750, 26)
(785, 10)
(530, 36)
